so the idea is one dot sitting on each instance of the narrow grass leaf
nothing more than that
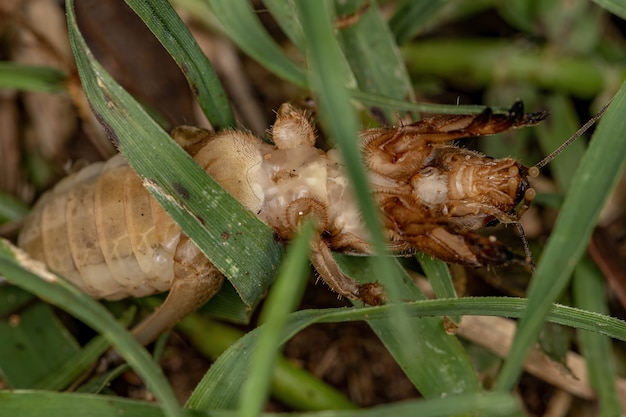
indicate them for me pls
(589, 291)
(402, 337)
(81, 362)
(614, 6)
(373, 55)
(31, 78)
(291, 385)
(403, 105)
(436, 363)
(73, 369)
(439, 276)
(283, 298)
(286, 16)
(32, 276)
(235, 240)
(34, 344)
(244, 28)
(30, 404)
(11, 208)
(411, 16)
(482, 62)
(220, 387)
(328, 83)
(162, 20)
(595, 178)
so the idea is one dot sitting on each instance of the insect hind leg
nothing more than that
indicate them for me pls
(196, 280)
(470, 248)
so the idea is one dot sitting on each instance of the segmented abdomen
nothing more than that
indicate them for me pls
(101, 229)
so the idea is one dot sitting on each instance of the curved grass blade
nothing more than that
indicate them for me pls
(283, 298)
(291, 385)
(373, 55)
(30, 404)
(589, 291)
(165, 24)
(439, 276)
(435, 362)
(219, 388)
(482, 61)
(235, 240)
(595, 178)
(286, 16)
(243, 27)
(32, 276)
(614, 6)
(402, 337)
(411, 16)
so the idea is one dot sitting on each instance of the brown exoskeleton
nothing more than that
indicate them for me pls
(102, 230)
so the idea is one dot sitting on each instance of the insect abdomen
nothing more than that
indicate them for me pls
(101, 229)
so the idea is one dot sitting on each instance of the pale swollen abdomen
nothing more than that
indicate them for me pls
(101, 229)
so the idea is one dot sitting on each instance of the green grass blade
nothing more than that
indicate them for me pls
(413, 15)
(401, 337)
(31, 78)
(80, 363)
(30, 404)
(373, 55)
(614, 6)
(595, 178)
(163, 21)
(235, 240)
(34, 344)
(282, 300)
(481, 62)
(403, 105)
(33, 277)
(589, 291)
(11, 208)
(243, 27)
(291, 385)
(439, 276)
(436, 362)
(219, 389)
(328, 83)
(286, 16)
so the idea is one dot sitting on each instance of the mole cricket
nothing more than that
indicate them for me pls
(102, 230)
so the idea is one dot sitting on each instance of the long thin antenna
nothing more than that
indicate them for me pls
(527, 252)
(545, 161)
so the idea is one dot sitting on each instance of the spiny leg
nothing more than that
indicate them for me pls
(399, 152)
(321, 256)
(325, 265)
(468, 248)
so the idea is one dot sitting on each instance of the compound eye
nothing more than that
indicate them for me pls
(492, 222)
(522, 188)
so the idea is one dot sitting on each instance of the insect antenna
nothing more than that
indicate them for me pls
(529, 255)
(534, 171)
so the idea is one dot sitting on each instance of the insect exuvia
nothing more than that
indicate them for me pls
(101, 228)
